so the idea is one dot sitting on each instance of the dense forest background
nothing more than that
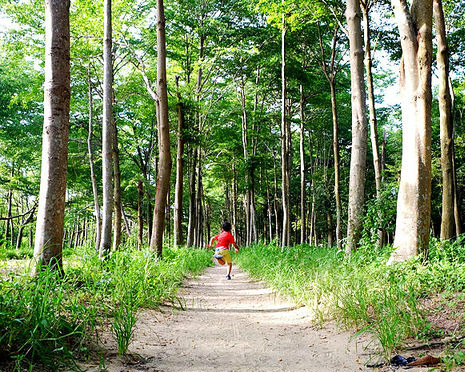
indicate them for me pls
(224, 76)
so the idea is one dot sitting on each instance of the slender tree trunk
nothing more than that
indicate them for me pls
(140, 220)
(372, 109)
(93, 179)
(330, 74)
(107, 134)
(302, 168)
(234, 202)
(178, 238)
(446, 126)
(164, 165)
(192, 213)
(359, 127)
(414, 200)
(285, 150)
(50, 218)
(117, 191)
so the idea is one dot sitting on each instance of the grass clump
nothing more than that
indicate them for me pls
(51, 320)
(360, 291)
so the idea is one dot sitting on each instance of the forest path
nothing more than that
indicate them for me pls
(233, 326)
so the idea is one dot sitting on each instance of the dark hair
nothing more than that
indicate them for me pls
(226, 226)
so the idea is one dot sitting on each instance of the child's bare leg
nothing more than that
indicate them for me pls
(229, 268)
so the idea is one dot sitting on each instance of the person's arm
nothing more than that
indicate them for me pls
(236, 248)
(209, 246)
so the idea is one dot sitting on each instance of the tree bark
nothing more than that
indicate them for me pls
(192, 214)
(117, 190)
(365, 6)
(446, 126)
(50, 218)
(359, 127)
(164, 164)
(330, 73)
(107, 134)
(98, 221)
(140, 220)
(285, 139)
(414, 199)
(178, 237)
(303, 224)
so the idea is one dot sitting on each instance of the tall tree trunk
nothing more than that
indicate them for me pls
(414, 200)
(359, 127)
(302, 168)
(330, 74)
(285, 137)
(192, 213)
(140, 220)
(446, 126)
(178, 238)
(365, 6)
(98, 221)
(107, 134)
(164, 164)
(117, 191)
(245, 146)
(50, 219)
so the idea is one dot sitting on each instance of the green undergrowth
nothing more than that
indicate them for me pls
(51, 320)
(361, 291)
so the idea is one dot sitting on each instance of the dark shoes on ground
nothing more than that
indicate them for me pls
(228, 277)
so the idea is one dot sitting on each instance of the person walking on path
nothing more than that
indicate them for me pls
(222, 254)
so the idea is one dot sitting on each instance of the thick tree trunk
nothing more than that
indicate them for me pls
(178, 237)
(107, 134)
(98, 221)
(414, 200)
(285, 150)
(359, 127)
(164, 165)
(446, 126)
(50, 218)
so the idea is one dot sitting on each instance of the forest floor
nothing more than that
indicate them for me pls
(237, 325)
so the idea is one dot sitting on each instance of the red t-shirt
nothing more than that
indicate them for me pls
(224, 239)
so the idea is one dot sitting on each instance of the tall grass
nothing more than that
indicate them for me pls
(360, 291)
(50, 320)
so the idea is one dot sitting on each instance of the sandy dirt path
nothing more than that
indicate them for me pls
(233, 326)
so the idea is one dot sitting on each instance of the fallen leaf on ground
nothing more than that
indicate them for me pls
(427, 360)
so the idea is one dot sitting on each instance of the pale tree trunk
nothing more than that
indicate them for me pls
(178, 238)
(365, 6)
(98, 221)
(414, 200)
(50, 219)
(192, 214)
(330, 73)
(458, 223)
(303, 224)
(245, 145)
(164, 164)
(446, 126)
(117, 190)
(234, 202)
(140, 220)
(359, 127)
(107, 134)
(285, 136)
